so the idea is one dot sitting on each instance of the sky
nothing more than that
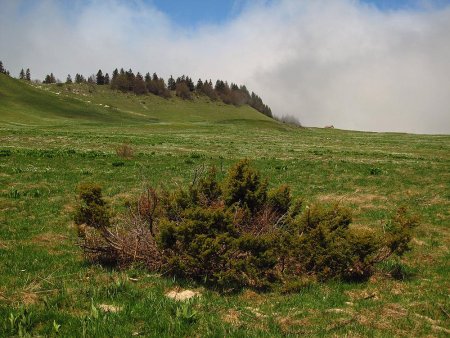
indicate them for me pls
(373, 65)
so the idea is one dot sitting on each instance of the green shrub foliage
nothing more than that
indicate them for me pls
(238, 233)
(92, 210)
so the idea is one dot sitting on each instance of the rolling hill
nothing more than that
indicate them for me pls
(54, 137)
(59, 104)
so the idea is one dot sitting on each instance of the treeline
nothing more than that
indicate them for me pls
(183, 86)
(3, 70)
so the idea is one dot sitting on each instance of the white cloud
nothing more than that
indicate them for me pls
(326, 62)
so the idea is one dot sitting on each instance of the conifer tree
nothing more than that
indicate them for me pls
(199, 86)
(79, 78)
(69, 79)
(2, 70)
(107, 81)
(22, 74)
(115, 74)
(171, 83)
(28, 75)
(100, 78)
(139, 85)
(190, 84)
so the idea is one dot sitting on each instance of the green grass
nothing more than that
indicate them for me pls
(49, 143)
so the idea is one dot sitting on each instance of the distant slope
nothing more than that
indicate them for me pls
(25, 103)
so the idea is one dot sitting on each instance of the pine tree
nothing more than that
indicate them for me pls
(2, 70)
(190, 84)
(199, 85)
(107, 81)
(28, 75)
(22, 74)
(69, 79)
(115, 74)
(100, 78)
(171, 83)
(79, 78)
(139, 85)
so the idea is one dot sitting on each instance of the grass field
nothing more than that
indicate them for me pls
(50, 142)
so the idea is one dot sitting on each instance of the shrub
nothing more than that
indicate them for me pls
(92, 210)
(236, 233)
(244, 187)
(5, 152)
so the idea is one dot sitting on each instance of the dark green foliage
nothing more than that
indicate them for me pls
(50, 79)
(398, 231)
(375, 171)
(329, 248)
(244, 187)
(280, 199)
(236, 233)
(100, 79)
(118, 164)
(5, 152)
(92, 209)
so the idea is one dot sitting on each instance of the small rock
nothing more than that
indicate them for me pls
(109, 308)
(182, 295)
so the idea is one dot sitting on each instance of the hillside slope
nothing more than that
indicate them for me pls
(29, 104)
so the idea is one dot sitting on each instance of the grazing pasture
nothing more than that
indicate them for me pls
(54, 137)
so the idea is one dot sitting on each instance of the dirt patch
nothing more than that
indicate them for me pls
(252, 296)
(232, 317)
(394, 311)
(48, 239)
(355, 198)
(4, 245)
(362, 295)
(110, 308)
(68, 208)
(29, 298)
(289, 325)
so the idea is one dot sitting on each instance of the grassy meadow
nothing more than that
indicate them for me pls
(54, 137)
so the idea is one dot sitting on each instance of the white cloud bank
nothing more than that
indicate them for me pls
(326, 62)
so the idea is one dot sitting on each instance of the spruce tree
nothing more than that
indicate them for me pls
(69, 79)
(28, 75)
(107, 81)
(115, 74)
(22, 74)
(199, 85)
(171, 83)
(100, 78)
(2, 70)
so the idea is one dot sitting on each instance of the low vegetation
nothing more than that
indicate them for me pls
(51, 142)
